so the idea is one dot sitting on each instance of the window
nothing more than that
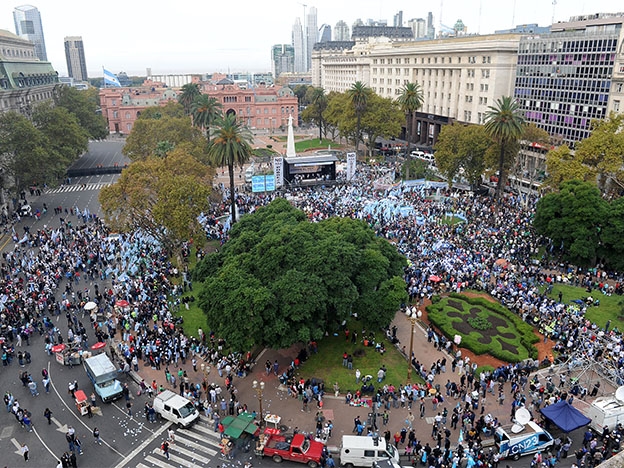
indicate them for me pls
(618, 87)
(369, 453)
(616, 106)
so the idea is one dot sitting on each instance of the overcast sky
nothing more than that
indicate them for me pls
(203, 36)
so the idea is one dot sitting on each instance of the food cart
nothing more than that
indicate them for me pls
(238, 434)
(69, 356)
(82, 404)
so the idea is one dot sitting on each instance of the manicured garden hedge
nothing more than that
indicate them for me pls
(523, 339)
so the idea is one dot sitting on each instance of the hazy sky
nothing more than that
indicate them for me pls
(202, 36)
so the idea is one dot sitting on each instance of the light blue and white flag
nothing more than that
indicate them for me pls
(110, 79)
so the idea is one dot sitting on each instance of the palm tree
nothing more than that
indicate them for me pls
(205, 110)
(411, 99)
(358, 94)
(231, 146)
(505, 124)
(319, 100)
(189, 92)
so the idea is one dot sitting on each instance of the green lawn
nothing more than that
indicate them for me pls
(609, 308)
(301, 146)
(327, 363)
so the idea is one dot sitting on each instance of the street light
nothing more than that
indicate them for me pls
(259, 388)
(413, 316)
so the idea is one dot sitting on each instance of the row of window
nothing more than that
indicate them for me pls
(33, 98)
(29, 81)
(22, 53)
(570, 59)
(442, 59)
(595, 45)
(564, 84)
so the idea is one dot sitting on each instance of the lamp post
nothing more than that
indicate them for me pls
(413, 315)
(259, 388)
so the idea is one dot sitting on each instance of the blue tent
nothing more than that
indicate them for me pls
(565, 416)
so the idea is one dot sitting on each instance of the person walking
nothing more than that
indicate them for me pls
(165, 448)
(96, 436)
(48, 415)
(72, 460)
(24, 451)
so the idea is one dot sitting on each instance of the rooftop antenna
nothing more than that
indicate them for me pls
(554, 4)
(440, 27)
(479, 26)
(513, 15)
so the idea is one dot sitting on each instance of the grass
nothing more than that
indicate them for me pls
(327, 363)
(609, 308)
(305, 145)
(194, 318)
(451, 220)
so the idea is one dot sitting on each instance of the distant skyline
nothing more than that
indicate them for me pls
(191, 36)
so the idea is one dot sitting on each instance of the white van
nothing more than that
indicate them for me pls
(362, 451)
(606, 411)
(175, 408)
(249, 173)
(514, 441)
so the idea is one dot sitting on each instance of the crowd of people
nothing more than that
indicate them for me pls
(492, 249)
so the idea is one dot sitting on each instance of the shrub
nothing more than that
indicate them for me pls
(479, 323)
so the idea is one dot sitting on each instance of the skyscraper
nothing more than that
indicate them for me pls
(419, 26)
(398, 19)
(75, 56)
(298, 46)
(28, 26)
(430, 26)
(325, 33)
(311, 36)
(282, 59)
(341, 31)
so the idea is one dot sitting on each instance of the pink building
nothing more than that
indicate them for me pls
(260, 107)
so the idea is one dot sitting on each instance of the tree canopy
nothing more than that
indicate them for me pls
(84, 105)
(281, 279)
(572, 219)
(147, 133)
(162, 196)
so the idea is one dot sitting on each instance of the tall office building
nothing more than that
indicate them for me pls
(419, 27)
(282, 59)
(28, 26)
(572, 75)
(430, 26)
(325, 33)
(299, 47)
(398, 19)
(341, 32)
(311, 32)
(75, 56)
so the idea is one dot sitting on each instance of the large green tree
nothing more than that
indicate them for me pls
(84, 105)
(314, 112)
(161, 196)
(572, 219)
(562, 164)
(147, 133)
(359, 95)
(410, 100)
(504, 122)
(24, 155)
(230, 146)
(281, 279)
(603, 152)
(382, 118)
(461, 149)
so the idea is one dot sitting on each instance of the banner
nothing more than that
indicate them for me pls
(278, 170)
(351, 159)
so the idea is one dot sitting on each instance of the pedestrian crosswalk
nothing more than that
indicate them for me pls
(78, 187)
(196, 446)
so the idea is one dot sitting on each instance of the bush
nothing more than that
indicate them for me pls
(479, 323)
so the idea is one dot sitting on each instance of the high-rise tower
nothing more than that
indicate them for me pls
(298, 45)
(75, 56)
(28, 26)
(341, 31)
(312, 36)
(282, 59)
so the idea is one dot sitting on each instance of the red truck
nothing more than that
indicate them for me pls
(295, 448)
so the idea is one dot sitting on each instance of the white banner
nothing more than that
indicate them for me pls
(278, 170)
(351, 159)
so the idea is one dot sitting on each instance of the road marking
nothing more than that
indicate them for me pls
(17, 445)
(73, 413)
(189, 453)
(178, 460)
(157, 462)
(190, 443)
(145, 443)
(60, 427)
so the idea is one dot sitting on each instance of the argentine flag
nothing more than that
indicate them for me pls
(110, 78)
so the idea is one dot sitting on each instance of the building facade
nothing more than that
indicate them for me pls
(259, 107)
(311, 36)
(299, 47)
(28, 26)
(341, 32)
(75, 57)
(325, 33)
(24, 79)
(282, 59)
(459, 77)
(573, 75)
